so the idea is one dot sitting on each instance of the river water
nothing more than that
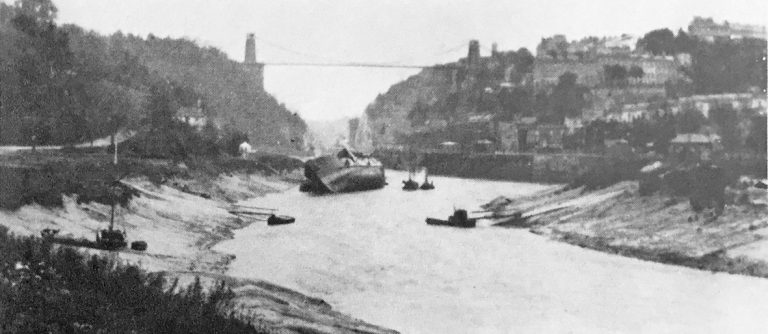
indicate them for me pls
(371, 255)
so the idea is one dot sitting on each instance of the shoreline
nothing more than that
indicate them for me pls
(656, 228)
(182, 220)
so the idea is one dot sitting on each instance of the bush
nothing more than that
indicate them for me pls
(46, 290)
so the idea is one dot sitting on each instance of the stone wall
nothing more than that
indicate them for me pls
(547, 168)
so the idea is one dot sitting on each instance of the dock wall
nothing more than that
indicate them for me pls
(547, 168)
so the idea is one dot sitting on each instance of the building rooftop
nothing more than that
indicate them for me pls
(695, 138)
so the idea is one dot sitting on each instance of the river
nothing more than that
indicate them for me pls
(371, 255)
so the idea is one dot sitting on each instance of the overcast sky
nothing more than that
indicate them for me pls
(405, 32)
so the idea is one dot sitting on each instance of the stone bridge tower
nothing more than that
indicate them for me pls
(254, 68)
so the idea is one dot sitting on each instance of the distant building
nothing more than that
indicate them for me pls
(707, 29)
(245, 148)
(192, 116)
(690, 148)
(657, 70)
(526, 135)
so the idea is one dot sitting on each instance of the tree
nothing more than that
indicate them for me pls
(615, 75)
(568, 98)
(515, 101)
(117, 108)
(523, 61)
(684, 43)
(45, 70)
(729, 66)
(658, 42)
(43, 11)
(727, 120)
(636, 72)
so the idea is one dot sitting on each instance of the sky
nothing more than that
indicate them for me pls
(396, 31)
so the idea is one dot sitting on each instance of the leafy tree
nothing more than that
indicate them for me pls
(568, 98)
(524, 61)
(658, 42)
(43, 11)
(553, 53)
(44, 70)
(117, 108)
(515, 101)
(684, 43)
(729, 66)
(727, 120)
(615, 75)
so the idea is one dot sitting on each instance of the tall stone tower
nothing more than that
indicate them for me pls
(256, 69)
(473, 57)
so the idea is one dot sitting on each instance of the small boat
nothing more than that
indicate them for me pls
(280, 220)
(458, 219)
(426, 185)
(410, 184)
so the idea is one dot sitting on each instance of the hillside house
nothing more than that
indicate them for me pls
(526, 135)
(690, 148)
(192, 116)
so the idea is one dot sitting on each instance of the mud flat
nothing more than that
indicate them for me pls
(657, 228)
(181, 220)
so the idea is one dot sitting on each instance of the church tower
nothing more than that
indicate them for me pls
(256, 69)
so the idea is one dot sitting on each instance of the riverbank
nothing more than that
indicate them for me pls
(182, 216)
(658, 228)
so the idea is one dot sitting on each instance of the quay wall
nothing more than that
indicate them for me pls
(546, 168)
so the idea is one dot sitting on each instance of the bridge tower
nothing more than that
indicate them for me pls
(256, 69)
(473, 57)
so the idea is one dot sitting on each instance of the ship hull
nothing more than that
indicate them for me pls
(327, 174)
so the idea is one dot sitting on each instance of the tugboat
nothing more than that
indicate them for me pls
(458, 219)
(111, 239)
(410, 185)
(344, 172)
(426, 185)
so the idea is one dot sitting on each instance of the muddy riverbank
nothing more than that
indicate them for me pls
(182, 219)
(658, 228)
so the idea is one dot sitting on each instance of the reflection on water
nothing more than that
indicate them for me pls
(370, 254)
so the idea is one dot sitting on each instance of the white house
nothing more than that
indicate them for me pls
(245, 148)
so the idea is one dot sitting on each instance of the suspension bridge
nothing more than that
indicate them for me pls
(328, 62)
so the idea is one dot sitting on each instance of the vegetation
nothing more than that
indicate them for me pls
(44, 177)
(63, 85)
(720, 66)
(58, 290)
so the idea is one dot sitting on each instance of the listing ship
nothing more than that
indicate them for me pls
(345, 171)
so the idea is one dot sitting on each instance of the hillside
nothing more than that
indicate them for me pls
(578, 84)
(229, 91)
(62, 84)
(445, 94)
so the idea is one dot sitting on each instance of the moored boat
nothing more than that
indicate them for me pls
(410, 184)
(458, 219)
(280, 220)
(427, 185)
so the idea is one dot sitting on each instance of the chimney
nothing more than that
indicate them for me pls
(250, 49)
(494, 49)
